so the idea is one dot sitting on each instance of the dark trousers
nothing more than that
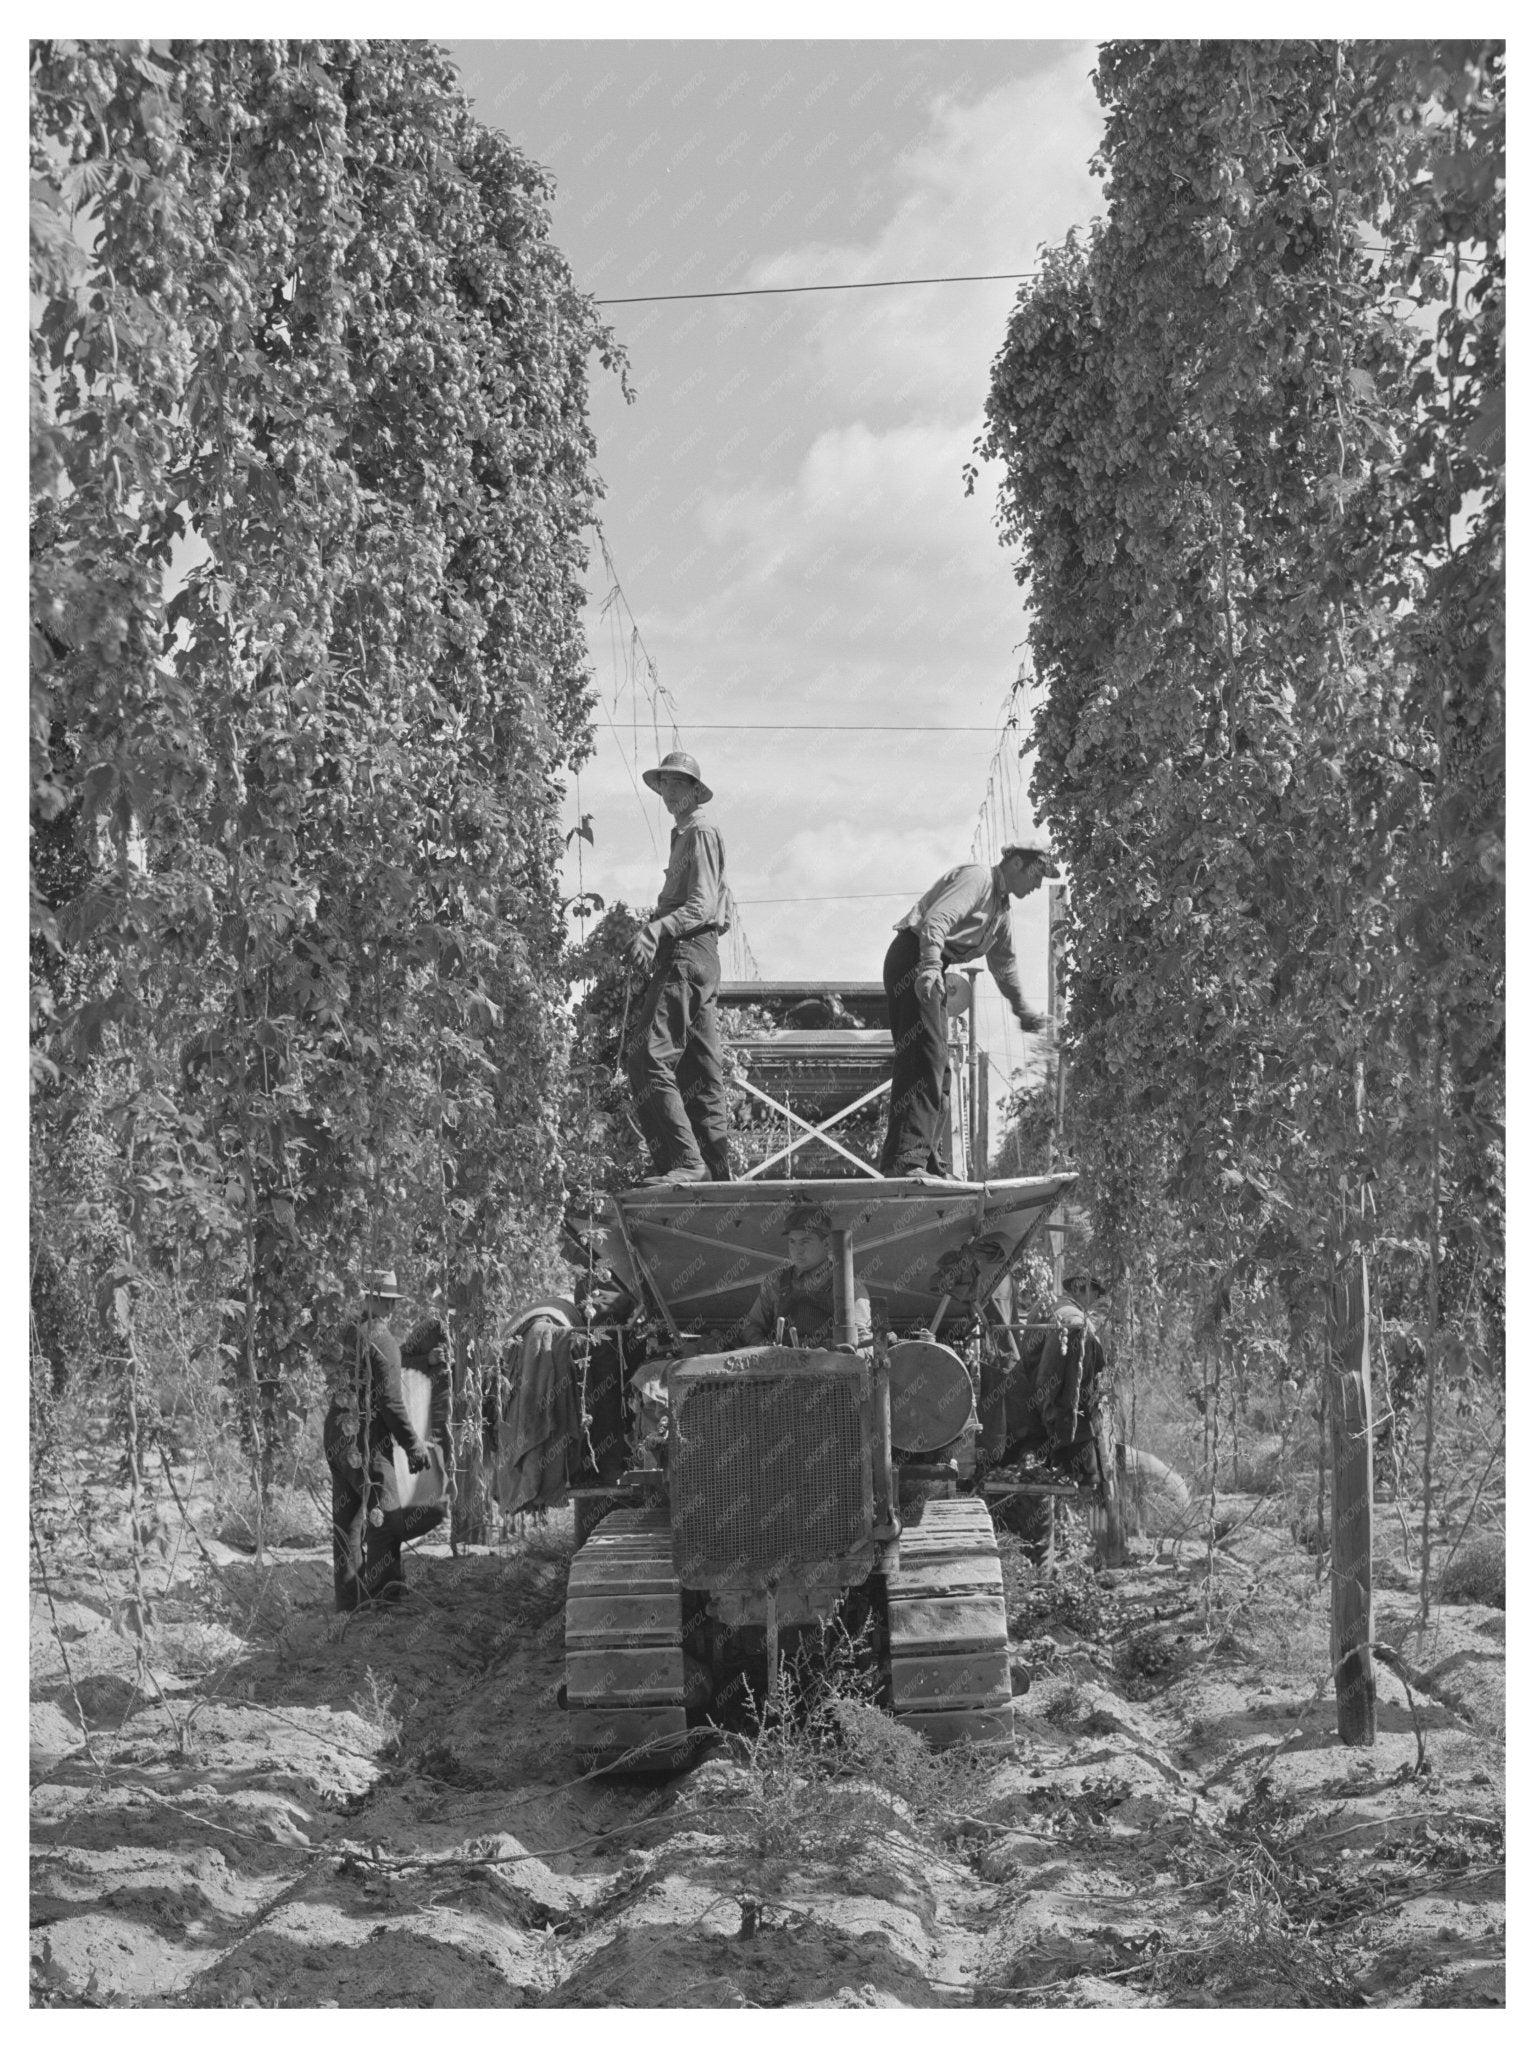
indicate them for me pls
(674, 1062)
(366, 1557)
(919, 1085)
(365, 1560)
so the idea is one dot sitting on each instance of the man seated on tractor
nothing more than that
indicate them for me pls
(800, 1293)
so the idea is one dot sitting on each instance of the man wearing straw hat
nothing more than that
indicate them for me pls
(673, 1056)
(367, 1418)
(966, 913)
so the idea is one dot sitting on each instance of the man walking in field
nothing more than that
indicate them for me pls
(673, 1058)
(966, 914)
(366, 1420)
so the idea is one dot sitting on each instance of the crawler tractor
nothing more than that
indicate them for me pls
(772, 1493)
(775, 1491)
(778, 1491)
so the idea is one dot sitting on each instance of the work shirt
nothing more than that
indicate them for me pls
(804, 1300)
(967, 913)
(693, 894)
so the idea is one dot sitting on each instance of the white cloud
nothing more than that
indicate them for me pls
(991, 182)
(870, 529)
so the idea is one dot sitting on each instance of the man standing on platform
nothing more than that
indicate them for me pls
(966, 914)
(673, 1058)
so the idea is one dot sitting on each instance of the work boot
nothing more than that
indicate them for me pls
(679, 1177)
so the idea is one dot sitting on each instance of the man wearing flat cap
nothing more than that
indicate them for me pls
(673, 1056)
(966, 914)
(800, 1293)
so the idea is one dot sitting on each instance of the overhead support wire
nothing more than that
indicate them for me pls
(1002, 807)
(716, 725)
(635, 674)
(741, 961)
(841, 896)
(862, 284)
(887, 284)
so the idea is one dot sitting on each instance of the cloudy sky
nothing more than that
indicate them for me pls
(785, 507)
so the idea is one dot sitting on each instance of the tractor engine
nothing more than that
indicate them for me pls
(771, 1472)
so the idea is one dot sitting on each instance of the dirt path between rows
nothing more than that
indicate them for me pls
(301, 1812)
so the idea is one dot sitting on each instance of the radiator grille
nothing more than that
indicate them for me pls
(769, 1475)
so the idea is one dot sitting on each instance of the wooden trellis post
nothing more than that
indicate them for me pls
(1353, 1505)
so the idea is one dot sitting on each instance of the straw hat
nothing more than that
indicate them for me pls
(678, 764)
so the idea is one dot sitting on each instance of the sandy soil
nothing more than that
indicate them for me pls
(289, 1810)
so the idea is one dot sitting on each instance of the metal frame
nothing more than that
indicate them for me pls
(734, 1225)
(812, 1131)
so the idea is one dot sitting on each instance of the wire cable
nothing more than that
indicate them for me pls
(634, 670)
(838, 896)
(885, 284)
(775, 291)
(644, 812)
(715, 725)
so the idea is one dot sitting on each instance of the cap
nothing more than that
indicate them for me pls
(1034, 846)
(555, 1308)
(1086, 1286)
(678, 764)
(381, 1281)
(808, 1216)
